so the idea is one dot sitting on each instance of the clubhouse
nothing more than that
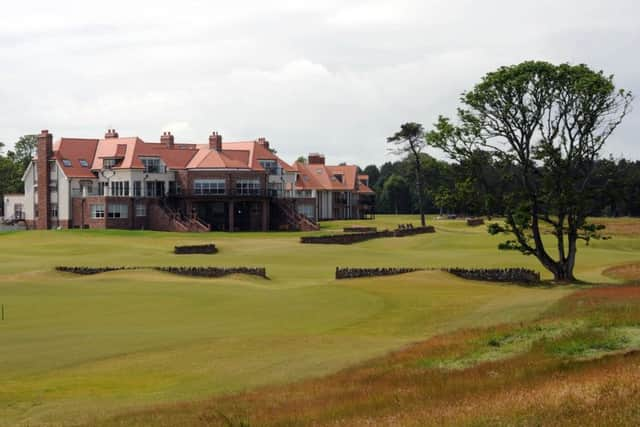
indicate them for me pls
(127, 183)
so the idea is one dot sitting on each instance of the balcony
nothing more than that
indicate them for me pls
(246, 192)
(77, 192)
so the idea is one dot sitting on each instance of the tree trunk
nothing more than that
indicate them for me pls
(419, 189)
(563, 272)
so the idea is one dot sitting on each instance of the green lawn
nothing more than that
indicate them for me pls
(73, 348)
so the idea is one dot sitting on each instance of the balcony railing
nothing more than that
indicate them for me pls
(249, 192)
(76, 192)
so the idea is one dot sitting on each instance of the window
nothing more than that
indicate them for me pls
(271, 166)
(338, 176)
(53, 210)
(97, 211)
(102, 188)
(17, 211)
(155, 189)
(84, 163)
(209, 186)
(108, 163)
(120, 188)
(118, 210)
(152, 165)
(137, 189)
(174, 188)
(66, 163)
(141, 209)
(248, 187)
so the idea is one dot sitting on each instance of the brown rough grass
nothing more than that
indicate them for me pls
(533, 388)
(629, 272)
(620, 226)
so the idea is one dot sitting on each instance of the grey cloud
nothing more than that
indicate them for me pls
(331, 76)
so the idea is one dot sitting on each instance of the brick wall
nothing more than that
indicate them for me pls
(44, 151)
(81, 213)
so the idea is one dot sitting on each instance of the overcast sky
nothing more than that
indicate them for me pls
(330, 76)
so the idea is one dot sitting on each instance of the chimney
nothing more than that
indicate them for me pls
(215, 141)
(316, 159)
(44, 152)
(111, 133)
(263, 141)
(167, 139)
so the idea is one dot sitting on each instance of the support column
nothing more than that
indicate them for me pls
(232, 214)
(265, 215)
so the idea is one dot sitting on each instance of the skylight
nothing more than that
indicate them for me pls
(66, 163)
(84, 163)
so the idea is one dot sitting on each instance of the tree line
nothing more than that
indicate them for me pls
(475, 188)
(13, 163)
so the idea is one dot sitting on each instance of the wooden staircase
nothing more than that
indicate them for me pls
(294, 220)
(179, 222)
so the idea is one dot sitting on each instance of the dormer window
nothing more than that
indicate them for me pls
(108, 163)
(84, 163)
(338, 177)
(66, 163)
(152, 165)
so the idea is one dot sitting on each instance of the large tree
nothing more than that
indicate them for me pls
(548, 124)
(409, 140)
(396, 196)
(25, 149)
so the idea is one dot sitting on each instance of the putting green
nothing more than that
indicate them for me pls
(77, 347)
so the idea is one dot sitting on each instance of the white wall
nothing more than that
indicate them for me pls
(29, 192)
(10, 202)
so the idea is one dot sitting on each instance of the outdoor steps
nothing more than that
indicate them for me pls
(169, 220)
(295, 219)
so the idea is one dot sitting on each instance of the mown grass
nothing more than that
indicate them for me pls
(577, 373)
(79, 349)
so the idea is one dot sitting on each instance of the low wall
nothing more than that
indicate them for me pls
(474, 222)
(92, 270)
(353, 273)
(517, 275)
(357, 229)
(214, 271)
(195, 249)
(349, 238)
(184, 271)
(402, 232)
(510, 275)
(345, 239)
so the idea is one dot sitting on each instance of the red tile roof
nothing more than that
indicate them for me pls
(129, 151)
(330, 178)
(74, 150)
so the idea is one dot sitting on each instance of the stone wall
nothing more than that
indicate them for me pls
(196, 249)
(214, 271)
(474, 222)
(184, 271)
(353, 273)
(514, 275)
(359, 229)
(509, 275)
(413, 231)
(92, 270)
(350, 238)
